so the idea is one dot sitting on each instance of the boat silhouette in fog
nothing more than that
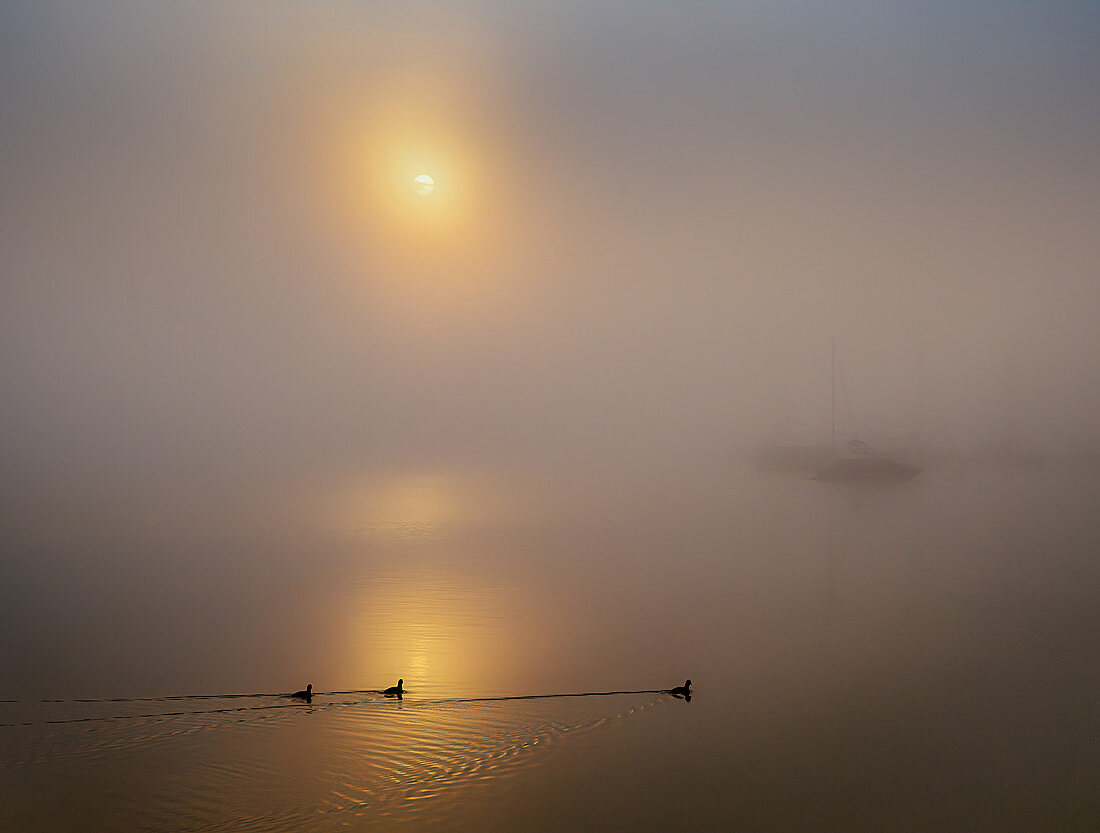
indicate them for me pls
(858, 464)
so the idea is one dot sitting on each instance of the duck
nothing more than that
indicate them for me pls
(306, 694)
(395, 690)
(682, 690)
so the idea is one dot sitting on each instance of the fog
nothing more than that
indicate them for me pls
(667, 218)
(245, 370)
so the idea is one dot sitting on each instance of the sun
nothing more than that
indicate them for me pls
(424, 185)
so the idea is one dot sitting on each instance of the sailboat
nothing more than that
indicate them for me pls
(862, 464)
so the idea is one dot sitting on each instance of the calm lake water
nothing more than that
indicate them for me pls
(922, 657)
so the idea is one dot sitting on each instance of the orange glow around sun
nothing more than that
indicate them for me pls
(415, 207)
(414, 179)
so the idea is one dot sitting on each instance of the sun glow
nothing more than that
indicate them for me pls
(392, 180)
(413, 208)
(394, 151)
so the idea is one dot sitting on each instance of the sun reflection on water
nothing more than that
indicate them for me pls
(414, 506)
(443, 633)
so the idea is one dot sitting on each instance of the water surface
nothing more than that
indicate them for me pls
(910, 658)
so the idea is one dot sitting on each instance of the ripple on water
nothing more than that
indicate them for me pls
(272, 769)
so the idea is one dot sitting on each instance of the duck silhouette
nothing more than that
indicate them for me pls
(682, 691)
(306, 694)
(395, 690)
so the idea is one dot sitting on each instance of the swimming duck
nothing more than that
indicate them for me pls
(682, 690)
(306, 695)
(395, 690)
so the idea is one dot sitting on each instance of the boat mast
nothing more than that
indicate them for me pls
(834, 395)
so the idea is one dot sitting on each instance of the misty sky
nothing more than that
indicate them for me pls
(651, 221)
